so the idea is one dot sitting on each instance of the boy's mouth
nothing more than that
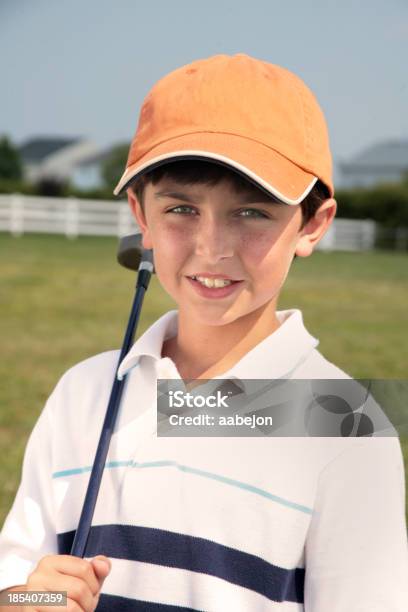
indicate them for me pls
(213, 282)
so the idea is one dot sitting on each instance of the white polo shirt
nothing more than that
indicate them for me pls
(215, 524)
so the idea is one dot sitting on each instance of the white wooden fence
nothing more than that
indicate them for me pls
(68, 216)
(73, 217)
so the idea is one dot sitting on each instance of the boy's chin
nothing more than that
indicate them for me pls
(214, 315)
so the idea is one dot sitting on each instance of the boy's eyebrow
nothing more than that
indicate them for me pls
(255, 198)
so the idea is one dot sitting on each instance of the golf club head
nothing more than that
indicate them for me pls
(130, 251)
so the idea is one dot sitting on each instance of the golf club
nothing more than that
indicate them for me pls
(131, 255)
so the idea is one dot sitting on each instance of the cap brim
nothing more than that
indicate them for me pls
(261, 165)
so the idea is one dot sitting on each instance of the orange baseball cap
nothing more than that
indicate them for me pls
(257, 118)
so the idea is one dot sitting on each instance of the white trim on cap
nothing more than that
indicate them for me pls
(130, 173)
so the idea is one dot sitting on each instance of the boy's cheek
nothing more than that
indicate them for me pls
(268, 252)
(171, 236)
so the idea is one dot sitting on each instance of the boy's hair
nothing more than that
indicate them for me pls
(193, 172)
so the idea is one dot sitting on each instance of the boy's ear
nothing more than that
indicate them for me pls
(140, 217)
(315, 228)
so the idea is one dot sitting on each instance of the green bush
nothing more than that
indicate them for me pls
(386, 204)
(10, 161)
(8, 186)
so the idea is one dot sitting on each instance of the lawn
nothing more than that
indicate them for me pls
(62, 301)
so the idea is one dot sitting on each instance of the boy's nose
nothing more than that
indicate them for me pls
(214, 241)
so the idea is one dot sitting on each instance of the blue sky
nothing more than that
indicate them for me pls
(76, 67)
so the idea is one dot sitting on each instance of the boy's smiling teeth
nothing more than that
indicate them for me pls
(212, 282)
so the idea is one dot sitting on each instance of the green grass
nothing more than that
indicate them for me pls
(62, 301)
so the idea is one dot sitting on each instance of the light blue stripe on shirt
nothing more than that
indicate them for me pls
(190, 470)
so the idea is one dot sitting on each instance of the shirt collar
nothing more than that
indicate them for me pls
(151, 342)
(277, 356)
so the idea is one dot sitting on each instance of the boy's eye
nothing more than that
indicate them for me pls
(254, 210)
(258, 213)
(176, 208)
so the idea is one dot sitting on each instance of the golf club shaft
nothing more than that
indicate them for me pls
(85, 521)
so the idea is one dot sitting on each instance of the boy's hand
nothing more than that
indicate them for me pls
(81, 579)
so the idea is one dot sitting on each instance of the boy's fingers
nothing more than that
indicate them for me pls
(69, 566)
(78, 592)
(102, 567)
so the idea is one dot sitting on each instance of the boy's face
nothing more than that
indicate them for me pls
(199, 228)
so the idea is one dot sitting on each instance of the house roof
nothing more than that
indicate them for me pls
(95, 159)
(391, 153)
(37, 149)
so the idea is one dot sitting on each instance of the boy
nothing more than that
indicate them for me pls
(229, 178)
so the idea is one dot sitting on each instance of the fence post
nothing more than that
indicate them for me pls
(71, 218)
(401, 238)
(17, 214)
(367, 235)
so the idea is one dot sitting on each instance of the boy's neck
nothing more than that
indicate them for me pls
(206, 351)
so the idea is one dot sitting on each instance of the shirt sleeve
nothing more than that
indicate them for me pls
(356, 548)
(29, 531)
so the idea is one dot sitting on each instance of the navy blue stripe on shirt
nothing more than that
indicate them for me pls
(114, 603)
(166, 548)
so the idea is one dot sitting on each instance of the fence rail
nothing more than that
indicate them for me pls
(73, 217)
(69, 216)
